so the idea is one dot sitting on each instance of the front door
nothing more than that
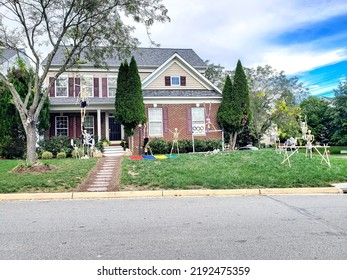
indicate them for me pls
(115, 129)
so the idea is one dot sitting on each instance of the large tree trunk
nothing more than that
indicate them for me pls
(31, 143)
(232, 142)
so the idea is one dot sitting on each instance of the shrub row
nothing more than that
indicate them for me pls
(60, 147)
(160, 146)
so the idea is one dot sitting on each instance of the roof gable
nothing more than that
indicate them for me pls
(176, 58)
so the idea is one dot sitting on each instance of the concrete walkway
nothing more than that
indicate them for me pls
(103, 177)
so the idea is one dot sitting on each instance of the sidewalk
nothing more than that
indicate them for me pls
(169, 193)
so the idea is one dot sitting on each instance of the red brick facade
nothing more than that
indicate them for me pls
(178, 117)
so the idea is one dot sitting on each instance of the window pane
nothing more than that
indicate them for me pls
(198, 120)
(198, 114)
(61, 124)
(60, 91)
(155, 114)
(155, 120)
(155, 129)
(175, 81)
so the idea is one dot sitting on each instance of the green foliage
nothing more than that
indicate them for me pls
(319, 118)
(129, 106)
(339, 122)
(56, 144)
(160, 146)
(287, 118)
(12, 133)
(61, 155)
(47, 155)
(234, 113)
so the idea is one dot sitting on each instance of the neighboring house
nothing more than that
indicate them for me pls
(176, 95)
(9, 58)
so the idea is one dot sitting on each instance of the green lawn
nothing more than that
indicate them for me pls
(238, 169)
(67, 175)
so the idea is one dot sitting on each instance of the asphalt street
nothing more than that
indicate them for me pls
(288, 227)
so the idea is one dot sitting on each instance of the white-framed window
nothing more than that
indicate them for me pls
(89, 124)
(61, 86)
(155, 121)
(111, 86)
(61, 126)
(198, 121)
(175, 81)
(87, 84)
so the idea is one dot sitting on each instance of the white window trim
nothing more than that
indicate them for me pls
(204, 120)
(67, 123)
(90, 127)
(108, 86)
(67, 86)
(89, 77)
(149, 123)
(179, 81)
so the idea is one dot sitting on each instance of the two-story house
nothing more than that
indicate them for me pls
(176, 95)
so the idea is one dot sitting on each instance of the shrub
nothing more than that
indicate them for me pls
(159, 146)
(47, 155)
(56, 144)
(61, 155)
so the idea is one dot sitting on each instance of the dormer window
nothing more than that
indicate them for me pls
(175, 81)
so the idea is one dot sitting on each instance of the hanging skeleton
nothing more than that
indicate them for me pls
(208, 117)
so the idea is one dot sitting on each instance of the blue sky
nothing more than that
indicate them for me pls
(303, 38)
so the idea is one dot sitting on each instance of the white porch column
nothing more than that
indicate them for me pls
(107, 126)
(98, 117)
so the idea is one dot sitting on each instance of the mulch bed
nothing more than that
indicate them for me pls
(36, 168)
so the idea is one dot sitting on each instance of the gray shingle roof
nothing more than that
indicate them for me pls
(152, 57)
(7, 54)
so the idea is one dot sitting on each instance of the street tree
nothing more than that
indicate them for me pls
(215, 74)
(318, 113)
(339, 122)
(268, 90)
(88, 30)
(12, 134)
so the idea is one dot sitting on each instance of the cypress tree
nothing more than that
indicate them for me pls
(130, 109)
(234, 113)
(121, 93)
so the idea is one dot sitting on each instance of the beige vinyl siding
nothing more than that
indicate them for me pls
(144, 75)
(175, 70)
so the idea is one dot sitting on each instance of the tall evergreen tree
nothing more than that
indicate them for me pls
(129, 106)
(224, 114)
(235, 114)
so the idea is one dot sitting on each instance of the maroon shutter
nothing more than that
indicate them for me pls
(183, 80)
(78, 125)
(71, 127)
(52, 89)
(77, 86)
(165, 120)
(167, 81)
(96, 87)
(71, 92)
(52, 127)
(104, 87)
(189, 120)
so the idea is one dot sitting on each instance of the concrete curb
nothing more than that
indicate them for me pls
(166, 193)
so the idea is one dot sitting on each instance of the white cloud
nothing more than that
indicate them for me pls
(224, 31)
